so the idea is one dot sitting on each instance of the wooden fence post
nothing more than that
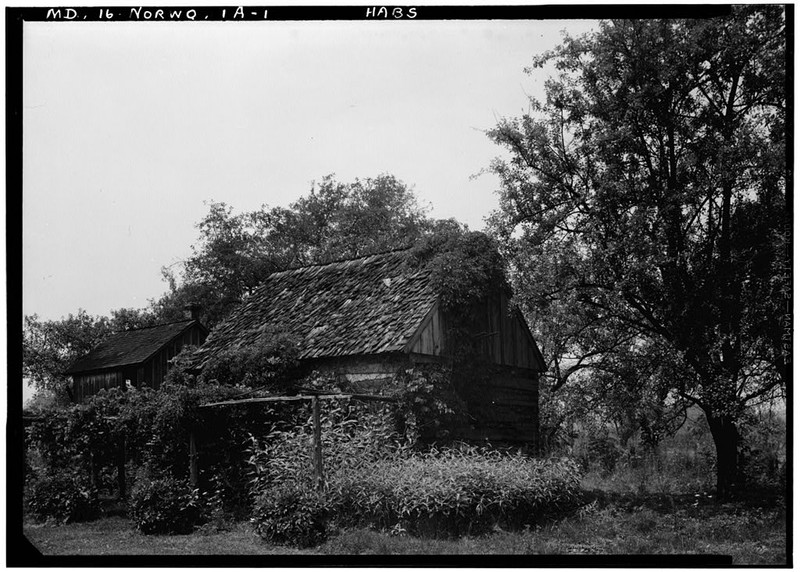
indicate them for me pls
(192, 459)
(317, 444)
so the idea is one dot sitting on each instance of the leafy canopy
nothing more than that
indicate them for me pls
(643, 210)
(336, 220)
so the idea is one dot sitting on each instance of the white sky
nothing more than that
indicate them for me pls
(129, 127)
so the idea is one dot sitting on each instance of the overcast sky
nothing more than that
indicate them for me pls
(129, 127)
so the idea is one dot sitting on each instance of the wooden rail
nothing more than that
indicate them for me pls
(276, 398)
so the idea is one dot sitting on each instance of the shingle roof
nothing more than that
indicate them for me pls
(365, 306)
(131, 347)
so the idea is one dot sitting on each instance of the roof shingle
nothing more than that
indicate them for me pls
(130, 347)
(368, 305)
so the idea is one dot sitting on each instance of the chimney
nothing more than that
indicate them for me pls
(192, 311)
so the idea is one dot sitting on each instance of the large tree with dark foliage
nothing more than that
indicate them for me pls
(644, 212)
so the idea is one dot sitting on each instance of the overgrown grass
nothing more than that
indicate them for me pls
(117, 535)
(440, 493)
(665, 475)
(751, 535)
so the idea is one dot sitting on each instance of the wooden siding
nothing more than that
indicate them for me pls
(155, 369)
(88, 384)
(429, 340)
(151, 373)
(500, 334)
(505, 407)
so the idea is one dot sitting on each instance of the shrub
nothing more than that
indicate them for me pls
(353, 436)
(762, 449)
(165, 506)
(431, 403)
(291, 514)
(439, 493)
(287, 507)
(62, 498)
(155, 426)
(271, 362)
(456, 492)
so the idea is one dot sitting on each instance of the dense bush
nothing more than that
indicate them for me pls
(62, 497)
(154, 426)
(165, 506)
(292, 514)
(270, 362)
(432, 403)
(441, 492)
(287, 507)
(353, 437)
(601, 451)
(762, 449)
(456, 492)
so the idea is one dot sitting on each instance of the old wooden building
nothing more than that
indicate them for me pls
(139, 356)
(372, 318)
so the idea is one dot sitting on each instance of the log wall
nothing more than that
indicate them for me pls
(367, 374)
(504, 405)
(502, 401)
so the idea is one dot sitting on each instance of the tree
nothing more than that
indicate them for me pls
(49, 347)
(236, 252)
(645, 202)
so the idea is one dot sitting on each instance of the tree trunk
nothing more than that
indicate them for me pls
(726, 443)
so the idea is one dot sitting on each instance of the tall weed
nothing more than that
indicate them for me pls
(444, 492)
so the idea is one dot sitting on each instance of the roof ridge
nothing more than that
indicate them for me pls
(341, 260)
(155, 326)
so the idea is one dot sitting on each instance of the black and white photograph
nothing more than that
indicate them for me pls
(429, 285)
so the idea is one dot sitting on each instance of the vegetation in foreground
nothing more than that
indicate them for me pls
(750, 534)
(637, 499)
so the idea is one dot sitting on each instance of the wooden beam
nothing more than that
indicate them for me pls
(316, 453)
(276, 398)
(193, 473)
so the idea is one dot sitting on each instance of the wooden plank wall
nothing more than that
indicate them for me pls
(499, 334)
(156, 368)
(431, 337)
(150, 374)
(91, 383)
(505, 407)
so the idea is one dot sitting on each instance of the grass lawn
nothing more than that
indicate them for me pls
(117, 535)
(657, 525)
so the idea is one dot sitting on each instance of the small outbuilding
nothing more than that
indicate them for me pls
(372, 319)
(139, 358)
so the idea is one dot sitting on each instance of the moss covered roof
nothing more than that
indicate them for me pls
(369, 305)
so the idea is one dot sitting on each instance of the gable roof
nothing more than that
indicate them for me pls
(364, 306)
(130, 347)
